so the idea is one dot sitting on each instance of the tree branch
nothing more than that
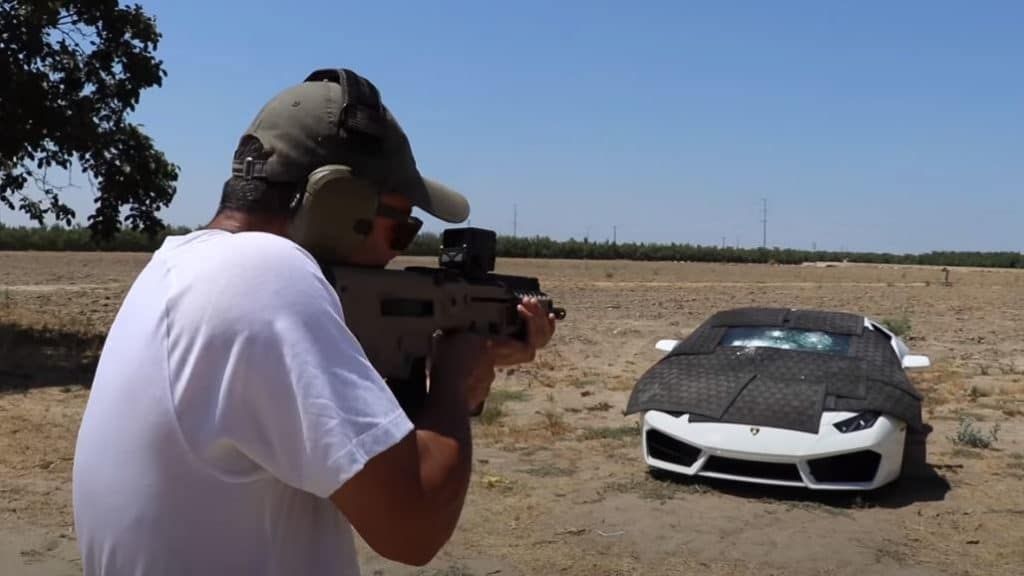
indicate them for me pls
(78, 47)
(79, 66)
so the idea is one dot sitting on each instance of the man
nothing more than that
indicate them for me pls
(235, 425)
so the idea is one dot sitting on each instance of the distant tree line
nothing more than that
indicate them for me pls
(79, 239)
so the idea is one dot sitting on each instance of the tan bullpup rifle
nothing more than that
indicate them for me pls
(395, 313)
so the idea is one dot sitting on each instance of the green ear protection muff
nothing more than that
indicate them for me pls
(335, 214)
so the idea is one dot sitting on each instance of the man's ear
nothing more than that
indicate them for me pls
(334, 214)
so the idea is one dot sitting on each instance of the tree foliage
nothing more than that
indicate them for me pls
(72, 72)
(55, 238)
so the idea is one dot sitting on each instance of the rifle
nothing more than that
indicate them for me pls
(394, 314)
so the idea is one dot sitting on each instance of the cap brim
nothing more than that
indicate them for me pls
(442, 202)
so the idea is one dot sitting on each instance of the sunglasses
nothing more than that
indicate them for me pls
(405, 226)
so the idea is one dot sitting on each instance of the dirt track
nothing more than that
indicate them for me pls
(559, 485)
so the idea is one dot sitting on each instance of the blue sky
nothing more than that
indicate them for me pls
(877, 126)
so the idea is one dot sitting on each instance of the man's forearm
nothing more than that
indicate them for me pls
(445, 446)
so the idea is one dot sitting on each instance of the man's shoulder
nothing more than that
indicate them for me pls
(242, 248)
(263, 245)
(245, 265)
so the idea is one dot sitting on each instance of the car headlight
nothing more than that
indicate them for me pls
(861, 421)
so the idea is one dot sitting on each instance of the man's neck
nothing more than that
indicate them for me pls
(235, 221)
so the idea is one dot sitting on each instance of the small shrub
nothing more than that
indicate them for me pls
(554, 422)
(493, 409)
(969, 435)
(899, 326)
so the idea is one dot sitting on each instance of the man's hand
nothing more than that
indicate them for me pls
(539, 330)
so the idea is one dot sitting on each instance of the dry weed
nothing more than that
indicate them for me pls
(940, 385)
(549, 471)
(554, 422)
(627, 432)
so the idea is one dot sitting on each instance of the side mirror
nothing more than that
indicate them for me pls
(666, 345)
(916, 361)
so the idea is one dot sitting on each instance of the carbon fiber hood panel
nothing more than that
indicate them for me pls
(773, 387)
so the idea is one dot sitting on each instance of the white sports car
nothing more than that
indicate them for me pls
(787, 397)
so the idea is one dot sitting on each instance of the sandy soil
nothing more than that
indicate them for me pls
(559, 484)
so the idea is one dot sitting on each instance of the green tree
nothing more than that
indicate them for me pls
(72, 73)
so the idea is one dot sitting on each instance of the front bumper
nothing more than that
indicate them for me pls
(827, 460)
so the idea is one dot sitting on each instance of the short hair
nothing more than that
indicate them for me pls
(257, 196)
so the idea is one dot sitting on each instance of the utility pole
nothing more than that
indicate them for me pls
(764, 222)
(614, 235)
(723, 242)
(515, 219)
(586, 246)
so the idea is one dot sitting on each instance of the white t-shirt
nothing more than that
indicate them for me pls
(229, 402)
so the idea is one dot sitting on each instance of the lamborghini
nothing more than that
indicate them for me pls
(807, 398)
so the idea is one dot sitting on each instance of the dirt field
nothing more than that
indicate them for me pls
(559, 484)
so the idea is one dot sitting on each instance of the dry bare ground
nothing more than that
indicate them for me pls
(559, 486)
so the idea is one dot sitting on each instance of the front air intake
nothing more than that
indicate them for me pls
(668, 449)
(854, 467)
(753, 469)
